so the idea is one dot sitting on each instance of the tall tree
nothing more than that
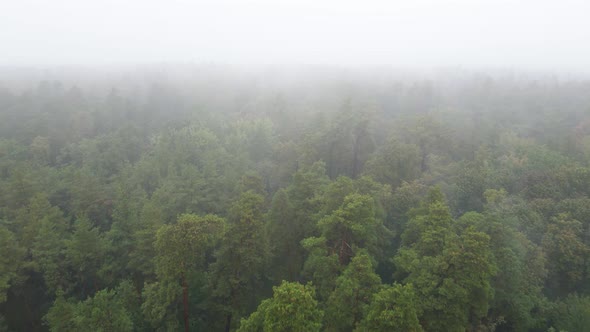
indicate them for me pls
(284, 235)
(10, 261)
(352, 225)
(105, 311)
(567, 255)
(451, 271)
(393, 308)
(348, 302)
(84, 254)
(49, 255)
(241, 258)
(305, 192)
(292, 308)
(181, 248)
(394, 163)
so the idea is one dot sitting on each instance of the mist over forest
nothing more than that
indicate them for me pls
(294, 166)
(215, 197)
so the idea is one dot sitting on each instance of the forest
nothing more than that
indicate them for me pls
(313, 198)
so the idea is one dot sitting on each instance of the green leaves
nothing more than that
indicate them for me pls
(572, 313)
(393, 308)
(10, 261)
(394, 163)
(103, 312)
(428, 233)
(284, 234)
(99, 189)
(564, 245)
(85, 253)
(182, 246)
(292, 308)
(451, 271)
(241, 258)
(49, 253)
(180, 250)
(353, 293)
(352, 225)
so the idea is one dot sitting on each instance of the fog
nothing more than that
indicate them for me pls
(298, 165)
(525, 34)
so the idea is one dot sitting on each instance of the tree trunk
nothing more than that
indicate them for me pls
(228, 322)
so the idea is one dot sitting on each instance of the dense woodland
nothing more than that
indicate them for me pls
(213, 198)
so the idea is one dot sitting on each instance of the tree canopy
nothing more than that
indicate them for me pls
(207, 198)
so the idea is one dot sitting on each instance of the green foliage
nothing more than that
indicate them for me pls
(84, 253)
(395, 163)
(321, 266)
(521, 269)
(353, 293)
(346, 143)
(90, 199)
(49, 254)
(572, 314)
(427, 234)
(305, 194)
(473, 179)
(105, 311)
(20, 187)
(61, 315)
(352, 225)
(126, 223)
(566, 251)
(407, 197)
(181, 249)
(393, 308)
(157, 298)
(292, 308)
(144, 239)
(10, 261)
(182, 246)
(182, 202)
(237, 272)
(38, 210)
(450, 271)
(284, 235)
(429, 134)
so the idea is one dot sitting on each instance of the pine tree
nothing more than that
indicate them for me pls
(393, 308)
(241, 258)
(11, 261)
(181, 248)
(354, 289)
(292, 308)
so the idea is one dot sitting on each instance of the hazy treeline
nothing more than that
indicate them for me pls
(304, 199)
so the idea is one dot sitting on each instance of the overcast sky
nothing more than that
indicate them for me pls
(517, 33)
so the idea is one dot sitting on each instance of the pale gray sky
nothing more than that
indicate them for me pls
(517, 33)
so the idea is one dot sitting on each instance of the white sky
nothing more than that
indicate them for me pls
(516, 33)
